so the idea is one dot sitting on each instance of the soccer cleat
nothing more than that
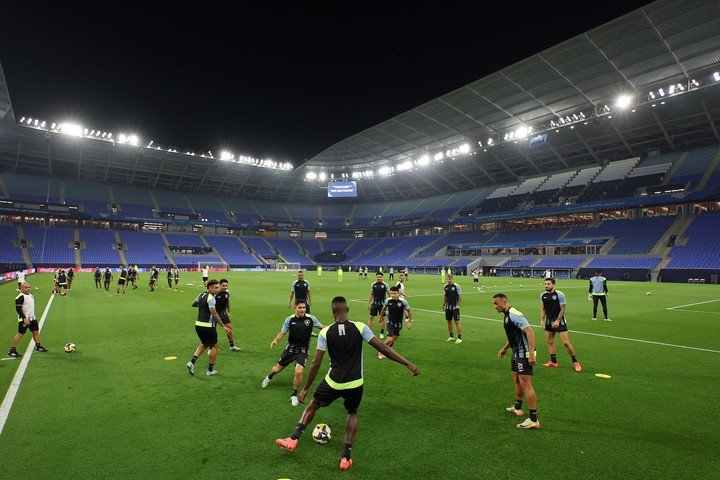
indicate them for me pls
(210, 373)
(594, 319)
(608, 320)
(287, 443)
(380, 356)
(528, 424)
(550, 364)
(577, 366)
(235, 348)
(294, 401)
(265, 382)
(40, 348)
(191, 368)
(14, 354)
(382, 336)
(458, 341)
(450, 339)
(345, 463)
(514, 410)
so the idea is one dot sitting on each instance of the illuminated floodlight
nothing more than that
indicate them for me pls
(36, 122)
(71, 129)
(424, 160)
(439, 156)
(133, 140)
(22, 119)
(464, 148)
(506, 136)
(356, 175)
(407, 165)
(322, 176)
(716, 76)
(694, 83)
(385, 170)
(369, 174)
(53, 126)
(490, 141)
(311, 176)
(623, 101)
(42, 125)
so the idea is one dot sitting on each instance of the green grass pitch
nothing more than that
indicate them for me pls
(116, 409)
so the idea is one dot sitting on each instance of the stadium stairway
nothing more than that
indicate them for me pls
(156, 205)
(608, 246)
(680, 224)
(25, 251)
(78, 256)
(655, 272)
(225, 209)
(121, 252)
(708, 173)
(674, 168)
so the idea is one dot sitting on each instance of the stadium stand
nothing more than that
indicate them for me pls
(9, 253)
(51, 246)
(230, 248)
(98, 248)
(144, 248)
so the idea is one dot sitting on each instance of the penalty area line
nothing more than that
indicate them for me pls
(20, 373)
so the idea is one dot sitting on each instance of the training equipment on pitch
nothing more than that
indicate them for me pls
(293, 267)
(70, 347)
(321, 433)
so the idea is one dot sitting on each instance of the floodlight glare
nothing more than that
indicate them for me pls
(490, 141)
(225, 155)
(623, 101)
(322, 176)
(464, 148)
(716, 76)
(407, 165)
(71, 129)
(424, 160)
(385, 170)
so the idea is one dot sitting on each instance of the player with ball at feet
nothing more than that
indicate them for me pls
(343, 340)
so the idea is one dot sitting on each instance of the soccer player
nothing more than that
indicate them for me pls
(401, 287)
(365, 272)
(300, 327)
(340, 274)
(207, 319)
(176, 277)
(599, 291)
(476, 278)
(70, 277)
(521, 339)
(395, 308)
(122, 280)
(62, 282)
(107, 278)
(169, 278)
(154, 274)
(20, 278)
(205, 273)
(25, 307)
(376, 300)
(98, 278)
(132, 276)
(300, 290)
(222, 306)
(552, 318)
(451, 304)
(343, 340)
(392, 273)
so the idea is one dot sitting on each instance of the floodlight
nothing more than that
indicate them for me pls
(424, 160)
(311, 175)
(464, 148)
(490, 141)
(716, 76)
(384, 170)
(133, 140)
(42, 124)
(22, 119)
(29, 121)
(71, 129)
(439, 156)
(322, 176)
(623, 101)
(407, 165)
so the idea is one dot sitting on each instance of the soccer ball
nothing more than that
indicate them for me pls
(321, 433)
(647, 293)
(70, 347)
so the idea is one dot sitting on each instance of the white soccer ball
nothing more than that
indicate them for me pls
(647, 293)
(321, 433)
(70, 347)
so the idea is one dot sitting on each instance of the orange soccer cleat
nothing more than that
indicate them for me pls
(345, 463)
(550, 364)
(287, 443)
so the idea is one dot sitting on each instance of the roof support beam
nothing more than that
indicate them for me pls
(587, 147)
(662, 128)
(710, 120)
(181, 176)
(528, 159)
(559, 157)
(49, 160)
(504, 166)
(203, 179)
(157, 177)
(623, 139)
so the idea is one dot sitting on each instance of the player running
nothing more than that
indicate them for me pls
(552, 318)
(343, 340)
(300, 327)
(300, 290)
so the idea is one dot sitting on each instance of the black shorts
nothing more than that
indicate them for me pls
(325, 395)
(561, 328)
(207, 335)
(62, 285)
(121, 282)
(521, 366)
(375, 309)
(453, 314)
(33, 327)
(475, 280)
(205, 279)
(225, 319)
(288, 357)
(394, 328)
(107, 282)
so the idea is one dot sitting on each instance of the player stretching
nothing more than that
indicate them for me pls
(376, 300)
(521, 339)
(343, 340)
(396, 309)
(552, 318)
(451, 304)
(300, 327)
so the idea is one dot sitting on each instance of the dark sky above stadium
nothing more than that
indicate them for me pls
(266, 79)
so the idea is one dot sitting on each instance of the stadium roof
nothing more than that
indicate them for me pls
(662, 46)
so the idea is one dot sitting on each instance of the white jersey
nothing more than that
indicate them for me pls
(401, 288)
(548, 274)
(205, 272)
(21, 277)
(28, 305)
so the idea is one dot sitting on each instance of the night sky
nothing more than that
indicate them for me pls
(282, 82)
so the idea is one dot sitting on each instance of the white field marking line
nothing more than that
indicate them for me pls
(693, 311)
(691, 304)
(20, 373)
(486, 290)
(581, 333)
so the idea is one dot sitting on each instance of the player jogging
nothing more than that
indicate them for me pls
(98, 278)
(343, 340)
(395, 308)
(552, 319)
(376, 300)
(300, 290)
(300, 327)
(521, 339)
(451, 304)
(62, 282)
(132, 276)
(154, 274)
(207, 319)
(25, 308)
(598, 292)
